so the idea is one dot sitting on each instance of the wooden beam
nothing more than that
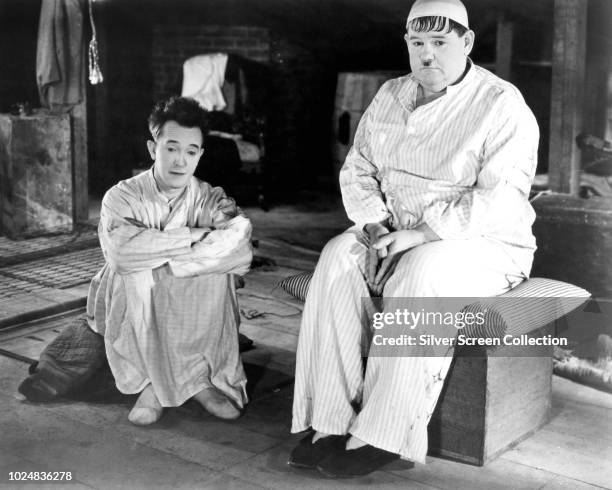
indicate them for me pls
(503, 48)
(80, 191)
(80, 161)
(567, 98)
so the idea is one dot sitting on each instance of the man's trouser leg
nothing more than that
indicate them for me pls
(329, 365)
(400, 393)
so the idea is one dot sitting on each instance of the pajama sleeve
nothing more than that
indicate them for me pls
(227, 248)
(127, 244)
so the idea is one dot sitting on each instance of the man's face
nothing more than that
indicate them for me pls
(438, 59)
(176, 153)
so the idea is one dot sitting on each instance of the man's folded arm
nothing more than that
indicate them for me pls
(226, 250)
(497, 206)
(129, 245)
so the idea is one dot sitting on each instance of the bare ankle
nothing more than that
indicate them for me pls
(320, 435)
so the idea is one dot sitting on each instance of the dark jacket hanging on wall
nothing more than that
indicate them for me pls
(59, 54)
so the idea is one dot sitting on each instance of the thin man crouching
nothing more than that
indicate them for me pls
(165, 300)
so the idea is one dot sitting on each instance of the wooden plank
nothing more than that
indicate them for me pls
(134, 462)
(519, 398)
(497, 475)
(503, 48)
(80, 192)
(598, 68)
(30, 346)
(581, 420)
(33, 306)
(581, 458)
(564, 389)
(457, 426)
(568, 69)
(564, 483)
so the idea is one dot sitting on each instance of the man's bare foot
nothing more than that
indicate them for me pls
(147, 408)
(217, 404)
(355, 443)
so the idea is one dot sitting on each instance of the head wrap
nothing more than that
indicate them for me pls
(451, 9)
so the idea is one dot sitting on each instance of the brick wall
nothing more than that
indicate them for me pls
(174, 43)
(299, 92)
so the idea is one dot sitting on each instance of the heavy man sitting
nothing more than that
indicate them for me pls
(437, 184)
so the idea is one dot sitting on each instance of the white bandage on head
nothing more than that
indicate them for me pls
(451, 9)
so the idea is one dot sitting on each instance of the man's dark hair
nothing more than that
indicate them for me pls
(437, 24)
(183, 110)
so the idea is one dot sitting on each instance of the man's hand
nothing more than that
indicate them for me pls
(387, 267)
(395, 244)
(373, 233)
(402, 240)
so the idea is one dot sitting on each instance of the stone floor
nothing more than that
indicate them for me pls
(188, 448)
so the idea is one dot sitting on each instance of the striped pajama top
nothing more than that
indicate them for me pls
(160, 324)
(463, 163)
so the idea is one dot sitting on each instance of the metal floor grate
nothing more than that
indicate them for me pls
(11, 288)
(60, 272)
(9, 248)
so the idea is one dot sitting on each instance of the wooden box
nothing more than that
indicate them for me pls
(35, 174)
(491, 403)
(574, 238)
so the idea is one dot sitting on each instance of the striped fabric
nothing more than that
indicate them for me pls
(463, 163)
(297, 286)
(397, 394)
(531, 305)
(168, 309)
(546, 300)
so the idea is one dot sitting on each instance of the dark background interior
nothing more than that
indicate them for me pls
(300, 46)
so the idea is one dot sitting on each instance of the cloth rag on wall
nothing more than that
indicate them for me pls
(59, 54)
(203, 78)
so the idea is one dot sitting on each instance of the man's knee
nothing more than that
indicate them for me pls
(427, 270)
(344, 247)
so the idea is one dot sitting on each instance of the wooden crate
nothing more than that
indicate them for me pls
(35, 174)
(490, 403)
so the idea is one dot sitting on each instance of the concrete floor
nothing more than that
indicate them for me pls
(191, 449)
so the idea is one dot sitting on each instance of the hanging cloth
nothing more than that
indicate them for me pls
(59, 54)
(95, 74)
(203, 78)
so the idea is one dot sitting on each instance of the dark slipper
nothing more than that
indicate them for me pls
(307, 455)
(344, 463)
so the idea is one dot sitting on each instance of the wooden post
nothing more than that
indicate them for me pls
(98, 104)
(568, 69)
(80, 191)
(503, 48)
